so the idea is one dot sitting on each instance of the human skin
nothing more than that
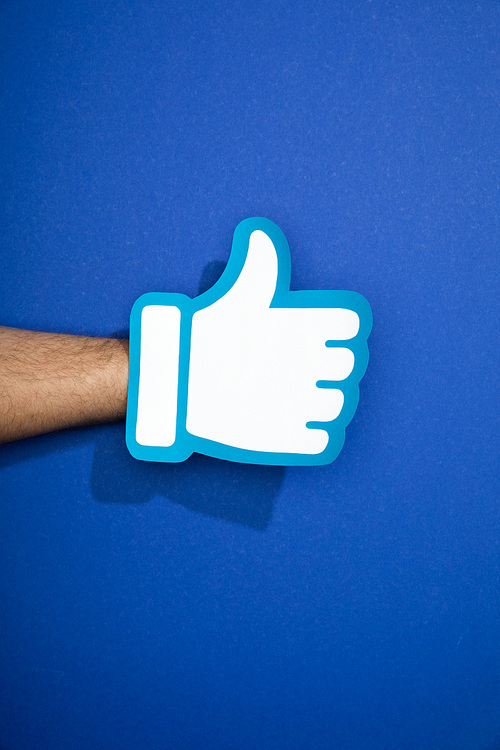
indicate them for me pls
(50, 381)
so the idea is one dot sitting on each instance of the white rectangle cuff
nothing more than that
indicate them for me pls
(158, 376)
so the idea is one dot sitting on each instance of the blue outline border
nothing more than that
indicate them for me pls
(185, 443)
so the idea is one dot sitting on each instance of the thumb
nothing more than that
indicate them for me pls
(259, 261)
(256, 283)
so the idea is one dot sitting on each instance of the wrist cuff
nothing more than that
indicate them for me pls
(158, 376)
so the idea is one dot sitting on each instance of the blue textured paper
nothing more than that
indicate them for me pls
(215, 605)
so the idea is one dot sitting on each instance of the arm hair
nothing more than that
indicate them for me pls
(51, 381)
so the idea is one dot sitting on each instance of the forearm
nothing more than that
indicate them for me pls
(51, 381)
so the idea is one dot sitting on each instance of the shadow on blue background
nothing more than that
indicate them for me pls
(234, 492)
(230, 491)
(241, 493)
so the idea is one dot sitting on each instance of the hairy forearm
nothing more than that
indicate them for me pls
(52, 381)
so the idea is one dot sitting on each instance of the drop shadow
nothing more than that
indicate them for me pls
(43, 445)
(241, 493)
(210, 275)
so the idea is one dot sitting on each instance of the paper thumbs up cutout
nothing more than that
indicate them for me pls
(248, 371)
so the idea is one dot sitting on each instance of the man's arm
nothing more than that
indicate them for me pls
(50, 381)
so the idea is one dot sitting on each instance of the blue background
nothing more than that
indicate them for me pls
(212, 605)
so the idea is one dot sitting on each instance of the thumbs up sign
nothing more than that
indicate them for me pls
(248, 371)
